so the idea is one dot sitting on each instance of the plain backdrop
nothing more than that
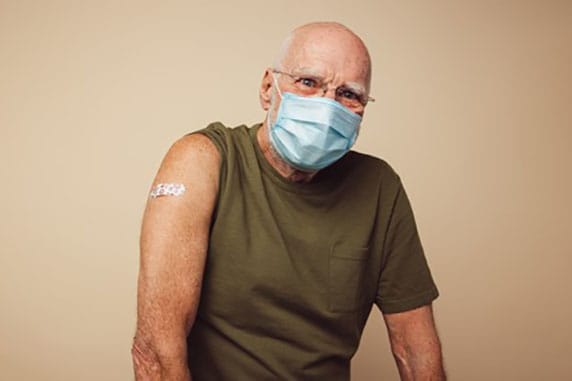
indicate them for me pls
(473, 109)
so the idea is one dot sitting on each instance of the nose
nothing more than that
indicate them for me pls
(329, 92)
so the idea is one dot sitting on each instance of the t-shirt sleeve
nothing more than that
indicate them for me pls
(405, 282)
(218, 134)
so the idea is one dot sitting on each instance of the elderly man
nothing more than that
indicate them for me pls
(264, 248)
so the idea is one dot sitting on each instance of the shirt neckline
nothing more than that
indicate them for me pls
(319, 183)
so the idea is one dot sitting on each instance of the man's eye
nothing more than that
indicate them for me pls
(308, 82)
(349, 94)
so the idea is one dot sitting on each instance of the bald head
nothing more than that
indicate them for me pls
(324, 52)
(325, 43)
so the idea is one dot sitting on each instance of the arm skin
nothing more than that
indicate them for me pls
(174, 242)
(415, 344)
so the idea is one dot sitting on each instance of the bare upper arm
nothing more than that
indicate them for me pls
(415, 344)
(412, 329)
(174, 243)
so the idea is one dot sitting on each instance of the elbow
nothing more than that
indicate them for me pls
(403, 359)
(146, 361)
(400, 355)
(416, 363)
(155, 362)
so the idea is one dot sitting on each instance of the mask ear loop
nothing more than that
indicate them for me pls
(276, 83)
(279, 93)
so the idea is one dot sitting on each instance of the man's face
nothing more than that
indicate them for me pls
(331, 57)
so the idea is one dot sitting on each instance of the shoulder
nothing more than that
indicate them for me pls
(190, 157)
(193, 148)
(207, 143)
(222, 136)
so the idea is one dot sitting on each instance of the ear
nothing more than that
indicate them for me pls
(265, 92)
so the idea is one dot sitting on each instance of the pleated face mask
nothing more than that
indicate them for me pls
(311, 133)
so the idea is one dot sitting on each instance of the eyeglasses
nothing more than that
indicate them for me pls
(309, 85)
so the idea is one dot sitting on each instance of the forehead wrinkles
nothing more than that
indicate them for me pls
(342, 58)
(351, 74)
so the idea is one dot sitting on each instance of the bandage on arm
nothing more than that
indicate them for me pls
(167, 189)
(174, 243)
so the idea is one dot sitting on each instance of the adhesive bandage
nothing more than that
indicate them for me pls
(167, 189)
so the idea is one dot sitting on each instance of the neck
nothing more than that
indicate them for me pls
(283, 168)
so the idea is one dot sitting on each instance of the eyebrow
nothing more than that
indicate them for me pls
(358, 88)
(311, 72)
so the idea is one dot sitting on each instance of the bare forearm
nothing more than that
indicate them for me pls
(150, 365)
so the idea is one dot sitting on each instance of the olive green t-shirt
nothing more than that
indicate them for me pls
(293, 269)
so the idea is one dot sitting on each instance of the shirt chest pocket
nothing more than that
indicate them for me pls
(347, 267)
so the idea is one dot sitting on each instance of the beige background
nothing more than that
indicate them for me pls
(473, 110)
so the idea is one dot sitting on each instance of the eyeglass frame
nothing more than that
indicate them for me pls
(325, 88)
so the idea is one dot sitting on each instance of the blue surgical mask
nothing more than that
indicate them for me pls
(311, 133)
